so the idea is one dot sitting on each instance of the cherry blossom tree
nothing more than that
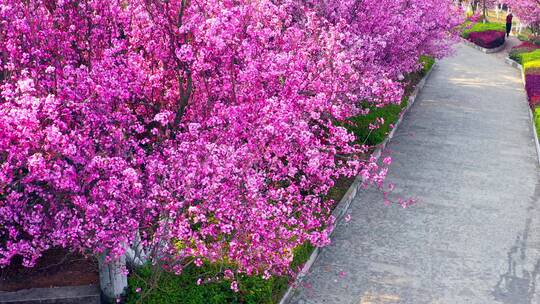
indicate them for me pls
(208, 130)
(397, 32)
(528, 11)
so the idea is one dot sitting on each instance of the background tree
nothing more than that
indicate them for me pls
(528, 11)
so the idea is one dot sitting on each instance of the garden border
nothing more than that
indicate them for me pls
(350, 195)
(484, 50)
(519, 67)
(83, 294)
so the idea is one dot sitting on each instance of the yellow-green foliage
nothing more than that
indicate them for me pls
(482, 27)
(532, 67)
(529, 60)
(531, 56)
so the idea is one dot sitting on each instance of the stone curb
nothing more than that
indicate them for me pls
(350, 195)
(484, 50)
(519, 67)
(85, 294)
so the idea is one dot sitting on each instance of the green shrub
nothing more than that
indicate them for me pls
(530, 56)
(532, 67)
(183, 289)
(527, 51)
(516, 54)
(482, 27)
(427, 63)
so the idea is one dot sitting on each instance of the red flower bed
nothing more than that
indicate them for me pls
(532, 87)
(488, 39)
(535, 102)
(527, 45)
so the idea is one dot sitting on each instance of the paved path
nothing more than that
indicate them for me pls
(466, 151)
(511, 42)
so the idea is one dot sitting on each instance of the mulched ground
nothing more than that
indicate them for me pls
(56, 268)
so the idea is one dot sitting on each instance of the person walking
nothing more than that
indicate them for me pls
(509, 24)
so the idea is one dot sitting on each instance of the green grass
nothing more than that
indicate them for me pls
(427, 63)
(183, 289)
(360, 125)
(482, 27)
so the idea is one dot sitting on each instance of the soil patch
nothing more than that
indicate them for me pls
(57, 267)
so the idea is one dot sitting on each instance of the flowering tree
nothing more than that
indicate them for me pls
(528, 12)
(396, 33)
(208, 128)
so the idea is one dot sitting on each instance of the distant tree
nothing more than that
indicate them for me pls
(528, 11)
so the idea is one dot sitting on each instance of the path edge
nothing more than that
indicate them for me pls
(82, 294)
(519, 67)
(350, 195)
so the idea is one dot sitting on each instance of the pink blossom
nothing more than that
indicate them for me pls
(228, 274)
(528, 11)
(234, 286)
(215, 129)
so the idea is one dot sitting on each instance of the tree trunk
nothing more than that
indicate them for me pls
(112, 278)
(474, 6)
(135, 254)
(484, 10)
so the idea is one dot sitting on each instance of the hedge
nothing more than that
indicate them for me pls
(526, 47)
(532, 86)
(488, 39)
(532, 67)
(482, 27)
(531, 56)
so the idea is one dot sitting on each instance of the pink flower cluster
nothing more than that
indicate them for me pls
(208, 126)
(528, 11)
(532, 86)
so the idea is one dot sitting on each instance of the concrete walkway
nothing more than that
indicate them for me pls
(466, 152)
